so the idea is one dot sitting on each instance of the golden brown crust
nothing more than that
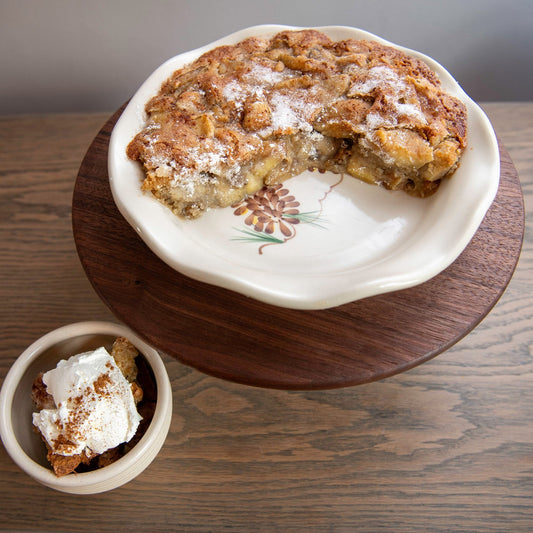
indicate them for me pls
(66, 464)
(264, 110)
(124, 354)
(39, 394)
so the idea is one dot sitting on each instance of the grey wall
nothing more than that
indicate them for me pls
(82, 55)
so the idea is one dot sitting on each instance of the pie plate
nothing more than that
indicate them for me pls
(334, 239)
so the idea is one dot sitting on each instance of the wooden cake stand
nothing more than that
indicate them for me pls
(237, 338)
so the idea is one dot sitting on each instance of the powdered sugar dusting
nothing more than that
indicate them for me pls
(287, 114)
(259, 79)
(396, 93)
(205, 166)
(264, 76)
(290, 110)
(235, 92)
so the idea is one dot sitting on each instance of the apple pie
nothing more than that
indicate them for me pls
(263, 110)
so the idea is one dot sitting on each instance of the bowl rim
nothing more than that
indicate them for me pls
(118, 470)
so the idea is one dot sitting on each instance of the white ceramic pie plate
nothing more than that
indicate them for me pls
(352, 241)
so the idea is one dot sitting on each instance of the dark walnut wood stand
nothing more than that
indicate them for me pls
(234, 337)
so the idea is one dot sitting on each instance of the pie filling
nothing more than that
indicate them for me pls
(264, 110)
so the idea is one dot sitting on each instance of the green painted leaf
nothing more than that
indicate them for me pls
(256, 236)
(309, 217)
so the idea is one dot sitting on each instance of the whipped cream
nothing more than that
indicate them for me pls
(95, 409)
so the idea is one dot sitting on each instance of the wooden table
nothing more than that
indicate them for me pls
(446, 446)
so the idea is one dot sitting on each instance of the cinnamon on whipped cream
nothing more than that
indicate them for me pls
(94, 406)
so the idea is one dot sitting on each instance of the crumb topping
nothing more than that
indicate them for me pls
(264, 110)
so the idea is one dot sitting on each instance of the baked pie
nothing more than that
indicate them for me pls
(263, 110)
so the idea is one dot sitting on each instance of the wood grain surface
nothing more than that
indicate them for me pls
(238, 338)
(444, 447)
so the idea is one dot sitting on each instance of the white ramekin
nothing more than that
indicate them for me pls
(25, 446)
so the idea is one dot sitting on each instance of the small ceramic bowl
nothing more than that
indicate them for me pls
(26, 447)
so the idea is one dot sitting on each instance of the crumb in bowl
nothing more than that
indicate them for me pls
(93, 407)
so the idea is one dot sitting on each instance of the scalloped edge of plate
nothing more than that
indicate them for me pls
(455, 217)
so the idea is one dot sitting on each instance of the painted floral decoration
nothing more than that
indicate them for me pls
(272, 214)
(270, 209)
